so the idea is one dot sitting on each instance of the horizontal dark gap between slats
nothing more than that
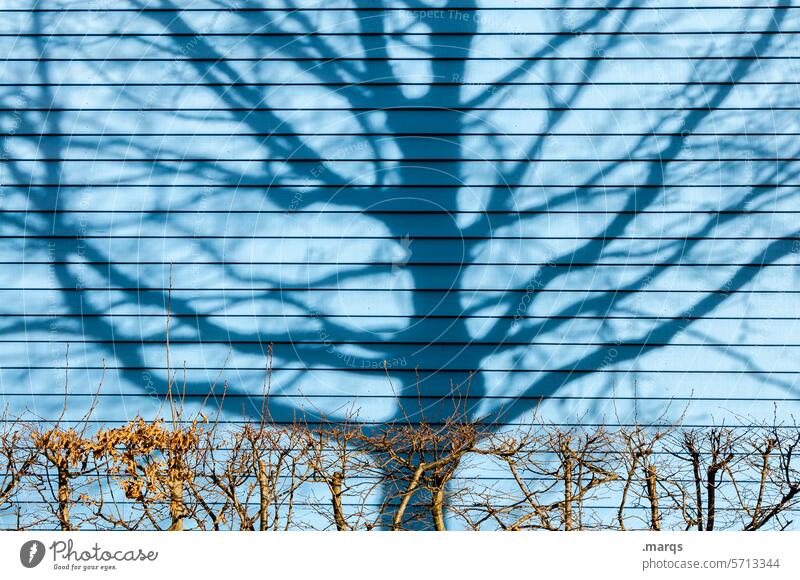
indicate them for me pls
(455, 396)
(418, 58)
(511, 33)
(400, 160)
(528, 447)
(299, 289)
(395, 370)
(376, 478)
(406, 237)
(416, 109)
(405, 421)
(443, 212)
(400, 316)
(394, 342)
(411, 84)
(309, 186)
(316, 505)
(390, 212)
(414, 134)
(406, 264)
(322, 505)
(411, 9)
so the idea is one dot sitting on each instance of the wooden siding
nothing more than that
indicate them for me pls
(594, 208)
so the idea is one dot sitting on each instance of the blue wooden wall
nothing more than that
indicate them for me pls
(592, 207)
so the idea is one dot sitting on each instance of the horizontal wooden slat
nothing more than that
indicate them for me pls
(665, 21)
(368, 201)
(701, 48)
(464, 358)
(125, 385)
(382, 302)
(313, 5)
(623, 94)
(533, 148)
(229, 122)
(400, 276)
(339, 227)
(342, 331)
(553, 412)
(712, 250)
(626, 72)
(337, 172)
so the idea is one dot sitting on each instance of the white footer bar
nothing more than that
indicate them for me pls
(406, 555)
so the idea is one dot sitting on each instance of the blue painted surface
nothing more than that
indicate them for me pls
(584, 206)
